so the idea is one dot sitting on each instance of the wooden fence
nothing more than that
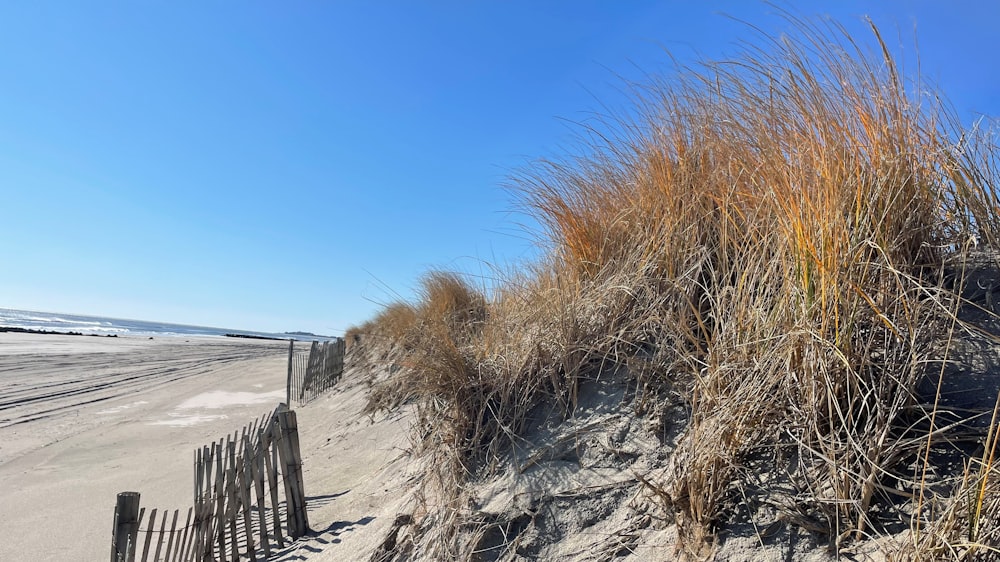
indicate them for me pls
(237, 513)
(309, 376)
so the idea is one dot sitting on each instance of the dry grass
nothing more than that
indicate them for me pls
(770, 235)
(966, 524)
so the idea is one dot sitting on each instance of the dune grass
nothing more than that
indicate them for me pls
(770, 234)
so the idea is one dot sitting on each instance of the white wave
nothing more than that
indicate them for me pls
(68, 328)
(102, 329)
(76, 322)
(26, 318)
(29, 316)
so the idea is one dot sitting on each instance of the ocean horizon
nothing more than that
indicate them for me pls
(107, 326)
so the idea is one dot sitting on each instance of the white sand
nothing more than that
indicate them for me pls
(83, 418)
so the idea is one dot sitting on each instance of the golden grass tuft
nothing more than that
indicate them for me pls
(770, 235)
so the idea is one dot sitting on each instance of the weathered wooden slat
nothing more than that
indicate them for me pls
(194, 474)
(251, 431)
(271, 466)
(260, 426)
(324, 355)
(243, 516)
(160, 537)
(171, 538)
(232, 504)
(191, 551)
(208, 455)
(245, 490)
(202, 519)
(220, 504)
(199, 474)
(149, 535)
(255, 462)
(181, 550)
(320, 381)
(288, 385)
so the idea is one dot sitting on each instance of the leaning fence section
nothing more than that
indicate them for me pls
(313, 373)
(298, 364)
(238, 512)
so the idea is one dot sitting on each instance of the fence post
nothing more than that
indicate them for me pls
(291, 459)
(288, 387)
(126, 527)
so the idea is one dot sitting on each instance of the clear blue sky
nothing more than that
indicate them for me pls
(276, 165)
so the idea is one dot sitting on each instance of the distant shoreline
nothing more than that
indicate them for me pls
(18, 330)
(252, 337)
(28, 321)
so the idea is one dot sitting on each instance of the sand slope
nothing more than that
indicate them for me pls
(358, 475)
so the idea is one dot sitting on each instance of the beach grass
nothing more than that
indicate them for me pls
(774, 237)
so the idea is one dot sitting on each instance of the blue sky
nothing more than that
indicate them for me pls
(289, 165)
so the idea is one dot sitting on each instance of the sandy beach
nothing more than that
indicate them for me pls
(83, 418)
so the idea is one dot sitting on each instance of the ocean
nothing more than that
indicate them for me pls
(99, 325)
